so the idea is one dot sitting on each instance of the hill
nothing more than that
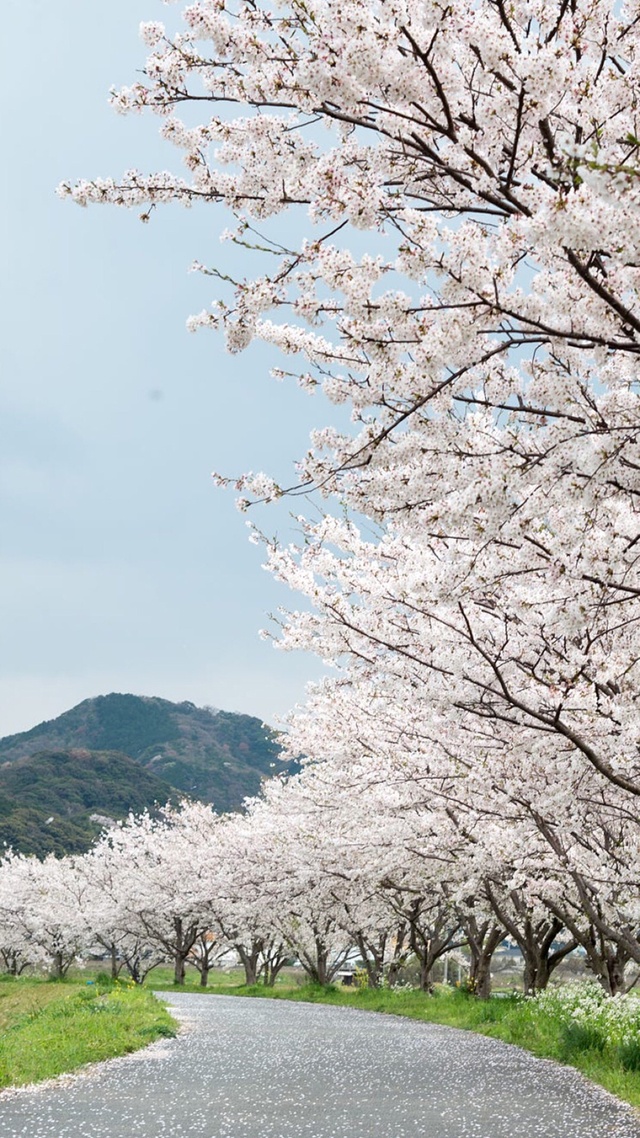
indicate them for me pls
(57, 801)
(216, 756)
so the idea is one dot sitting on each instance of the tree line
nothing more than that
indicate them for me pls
(320, 868)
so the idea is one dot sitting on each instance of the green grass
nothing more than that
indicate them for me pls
(507, 1017)
(47, 1029)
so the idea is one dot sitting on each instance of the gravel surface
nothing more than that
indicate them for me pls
(246, 1068)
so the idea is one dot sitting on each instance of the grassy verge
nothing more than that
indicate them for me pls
(537, 1029)
(48, 1029)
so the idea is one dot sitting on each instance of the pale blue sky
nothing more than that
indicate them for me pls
(123, 568)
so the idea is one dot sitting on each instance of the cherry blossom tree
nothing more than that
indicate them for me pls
(18, 948)
(342, 840)
(297, 888)
(206, 951)
(591, 881)
(107, 914)
(164, 887)
(493, 154)
(243, 873)
(554, 864)
(468, 183)
(41, 902)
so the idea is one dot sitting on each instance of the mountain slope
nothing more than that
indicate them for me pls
(216, 756)
(47, 800)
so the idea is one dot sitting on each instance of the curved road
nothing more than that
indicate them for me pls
(270, 1069)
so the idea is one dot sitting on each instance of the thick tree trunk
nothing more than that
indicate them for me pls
(480, 975)
(536, 971)
(250, 960)
(400, 955)
(607, 962)
(57, 966)
(322, 962)
(114, 962)
(483, 939)
(204, 975)
(183, 942)
(426, 958)
(316, 962)
(535, 955)
(393, 973)
(608, 950)
(132, 965)
(533, 938)
(179, 970)
(540, 961)
(615, 973)
(374, 976)
(426, 968)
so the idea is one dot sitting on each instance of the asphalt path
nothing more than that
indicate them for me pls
(247, 1068)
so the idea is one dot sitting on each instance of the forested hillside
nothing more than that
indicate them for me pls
(88, 760)
(57, 801)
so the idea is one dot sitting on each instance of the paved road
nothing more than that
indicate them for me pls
(270, 1069)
